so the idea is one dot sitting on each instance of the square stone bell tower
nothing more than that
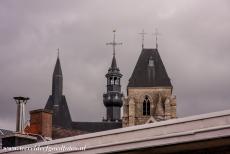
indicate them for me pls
(149, 92)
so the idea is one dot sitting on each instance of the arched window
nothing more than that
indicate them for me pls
(115, 80)
(146, 106)
(111, 80)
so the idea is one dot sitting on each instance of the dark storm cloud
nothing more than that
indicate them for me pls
(194, 45)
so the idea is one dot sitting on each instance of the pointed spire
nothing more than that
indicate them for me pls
(57, 80)
(114, 63)
(57, 101)
(114, 44)
(113, 98)
(57, 69)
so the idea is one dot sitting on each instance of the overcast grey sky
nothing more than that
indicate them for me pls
(194, 45)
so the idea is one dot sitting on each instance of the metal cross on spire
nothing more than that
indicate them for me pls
(114, 43)
(156, 34)
(143, 37)
(58, 51)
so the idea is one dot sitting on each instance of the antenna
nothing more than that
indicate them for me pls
(143, 37)
(114, 43)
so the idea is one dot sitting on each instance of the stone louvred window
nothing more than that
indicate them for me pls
(146, 106)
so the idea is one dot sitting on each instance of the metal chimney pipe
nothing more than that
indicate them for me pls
(20, 122)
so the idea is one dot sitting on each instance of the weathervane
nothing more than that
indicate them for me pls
(143, 37)
(156, 34)
(114, 43)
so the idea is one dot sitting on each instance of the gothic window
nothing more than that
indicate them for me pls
(146, 106)
(117, 82)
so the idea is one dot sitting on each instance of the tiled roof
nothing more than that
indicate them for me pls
(148, 74)
(59, 132)
(61, 116)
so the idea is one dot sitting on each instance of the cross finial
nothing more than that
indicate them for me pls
(143, 37)
(156, 34)
(58, 51)
(114, 43)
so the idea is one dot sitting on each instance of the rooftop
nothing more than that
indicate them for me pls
(149, 71)
(206, 128)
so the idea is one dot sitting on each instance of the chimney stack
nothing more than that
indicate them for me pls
(41, 123)
(20, 122)
(19, 138)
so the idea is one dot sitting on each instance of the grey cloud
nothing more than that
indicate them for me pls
(194, 45)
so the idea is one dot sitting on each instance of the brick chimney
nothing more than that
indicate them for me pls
(40, 123)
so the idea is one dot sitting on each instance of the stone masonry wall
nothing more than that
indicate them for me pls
(162, 105)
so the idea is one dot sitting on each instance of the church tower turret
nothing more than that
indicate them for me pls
(57, 102)
(57, 84)
(149, 91)
(113, 97)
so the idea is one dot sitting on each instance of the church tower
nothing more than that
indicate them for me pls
(57, 101)
(149, 91)
(113, 97)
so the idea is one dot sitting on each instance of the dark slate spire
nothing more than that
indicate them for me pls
(57, 69)
(113, 97)
(114, 63)
(57, 85)
(149, 71)
(57, 101)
